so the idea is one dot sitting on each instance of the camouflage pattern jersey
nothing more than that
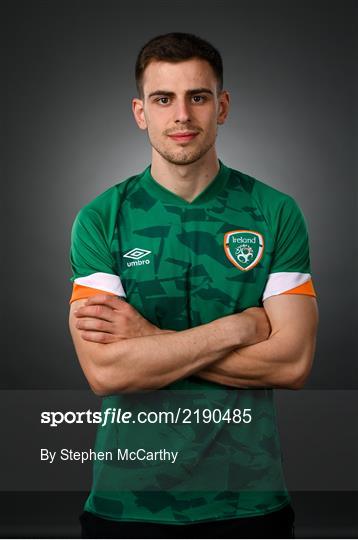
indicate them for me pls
(183, 264)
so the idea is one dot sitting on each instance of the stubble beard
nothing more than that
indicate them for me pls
(184, 156)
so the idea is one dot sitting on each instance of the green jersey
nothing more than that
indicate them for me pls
(183, 264)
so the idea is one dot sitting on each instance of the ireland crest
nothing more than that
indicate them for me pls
(244, 248)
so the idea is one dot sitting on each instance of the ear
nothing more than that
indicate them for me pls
(224, 105)
(138, 111)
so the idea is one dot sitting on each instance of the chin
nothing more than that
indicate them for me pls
(184, 157)
(182, 160)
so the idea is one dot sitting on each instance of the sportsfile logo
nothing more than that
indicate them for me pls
(137, 255)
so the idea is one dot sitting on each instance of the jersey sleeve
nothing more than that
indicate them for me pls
(290, 271)
(92, 262)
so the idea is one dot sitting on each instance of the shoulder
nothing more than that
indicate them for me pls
(259, 189)
(274, 204)
(104, 208)
(97, 220)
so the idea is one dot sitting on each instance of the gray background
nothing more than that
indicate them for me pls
(291, 68)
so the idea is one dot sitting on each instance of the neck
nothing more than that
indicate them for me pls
(186, 181)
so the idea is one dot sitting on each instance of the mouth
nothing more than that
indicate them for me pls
(183, 136)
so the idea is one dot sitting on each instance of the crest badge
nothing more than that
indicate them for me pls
(244, 248)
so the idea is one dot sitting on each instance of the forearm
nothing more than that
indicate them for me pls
(284, 360)
(151, 362)
(269, 364)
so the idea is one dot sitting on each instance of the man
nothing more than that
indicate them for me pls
(216, 308)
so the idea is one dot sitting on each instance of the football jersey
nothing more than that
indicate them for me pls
(183, 264)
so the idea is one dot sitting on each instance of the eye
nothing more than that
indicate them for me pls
(160, 100)
(199, 99)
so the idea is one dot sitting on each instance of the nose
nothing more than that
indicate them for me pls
(182, 111)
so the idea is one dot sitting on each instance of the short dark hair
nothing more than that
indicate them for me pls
(176, 47)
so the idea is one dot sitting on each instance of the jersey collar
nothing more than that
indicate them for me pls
(167, 196)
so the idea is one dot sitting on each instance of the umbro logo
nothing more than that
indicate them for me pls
(137, 255)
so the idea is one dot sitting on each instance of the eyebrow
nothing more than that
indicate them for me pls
(188, 92)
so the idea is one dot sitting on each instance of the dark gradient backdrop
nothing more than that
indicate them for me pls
(290, 67)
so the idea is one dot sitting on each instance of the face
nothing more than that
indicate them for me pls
(181, 109)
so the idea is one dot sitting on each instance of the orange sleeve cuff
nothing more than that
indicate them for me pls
(80, 291)
(305, 288)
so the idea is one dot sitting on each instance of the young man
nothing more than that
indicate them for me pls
(191, 291)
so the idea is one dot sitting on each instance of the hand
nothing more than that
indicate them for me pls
(259, 324)
(107, 318)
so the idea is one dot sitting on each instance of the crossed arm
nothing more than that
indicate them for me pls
(120, 351)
